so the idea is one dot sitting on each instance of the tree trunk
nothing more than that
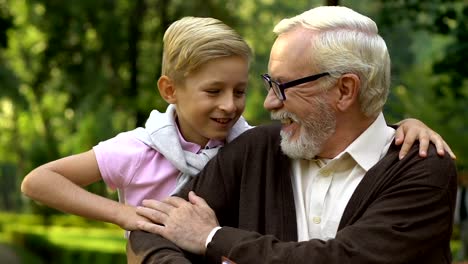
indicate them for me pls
(164, 22)
(134, 36)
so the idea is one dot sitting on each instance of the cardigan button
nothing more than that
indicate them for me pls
(316, 220)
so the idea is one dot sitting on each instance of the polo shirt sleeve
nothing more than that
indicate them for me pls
(118, 158)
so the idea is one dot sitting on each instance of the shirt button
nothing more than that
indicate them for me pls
(326, 172)
(316, 220)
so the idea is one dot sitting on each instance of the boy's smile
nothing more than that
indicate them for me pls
(212, 99)
(222, 121)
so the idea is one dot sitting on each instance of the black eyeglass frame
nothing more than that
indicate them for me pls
(279, 88)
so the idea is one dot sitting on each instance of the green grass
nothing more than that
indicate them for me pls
(70, 239)
(104, 240)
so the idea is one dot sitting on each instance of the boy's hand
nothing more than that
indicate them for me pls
(128, 218)
(412, 129)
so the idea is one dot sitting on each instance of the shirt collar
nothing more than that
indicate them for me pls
(372, 144)
(195, 148)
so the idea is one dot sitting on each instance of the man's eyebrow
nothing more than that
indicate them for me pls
(276, 77)
(280, 79)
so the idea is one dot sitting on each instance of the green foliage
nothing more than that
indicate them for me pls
(72, 75)
(431, 80)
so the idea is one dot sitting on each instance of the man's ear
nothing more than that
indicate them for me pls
(349, 85)
(167, 89)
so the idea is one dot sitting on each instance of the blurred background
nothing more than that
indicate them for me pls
(73, 73)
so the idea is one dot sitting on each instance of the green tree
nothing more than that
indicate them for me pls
(430, 46)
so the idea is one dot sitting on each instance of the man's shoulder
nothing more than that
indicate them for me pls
(270, 130)
(432, 156)
(258, 140)
(435, 170)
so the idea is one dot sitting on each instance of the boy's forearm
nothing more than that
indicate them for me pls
(56, 191)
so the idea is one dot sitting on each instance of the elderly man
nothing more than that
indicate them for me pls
(327, 186)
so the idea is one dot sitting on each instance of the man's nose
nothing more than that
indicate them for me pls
(272, 102)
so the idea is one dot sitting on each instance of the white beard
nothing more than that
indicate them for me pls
(314, 131)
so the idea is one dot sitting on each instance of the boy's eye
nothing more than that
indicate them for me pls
(213, 91)
(240, 92)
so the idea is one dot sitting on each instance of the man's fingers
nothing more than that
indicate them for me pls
(152, 214)
(150, 227)
(158, 205)
(203, 207)
(175, 201)
(196, 200)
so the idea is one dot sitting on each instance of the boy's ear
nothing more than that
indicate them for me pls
(349, 86)
(167, 89)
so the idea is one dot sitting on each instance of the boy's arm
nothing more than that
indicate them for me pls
(59, 184)
(410, 130)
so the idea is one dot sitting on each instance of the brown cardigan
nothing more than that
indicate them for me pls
(401, 212)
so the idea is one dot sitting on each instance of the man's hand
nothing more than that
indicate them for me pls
(187, 224)
(412, 129)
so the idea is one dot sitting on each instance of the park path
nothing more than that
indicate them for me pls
(8, 255)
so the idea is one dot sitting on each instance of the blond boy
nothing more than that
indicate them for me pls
(204, 80)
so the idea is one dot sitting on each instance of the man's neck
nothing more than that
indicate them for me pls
(348, 128)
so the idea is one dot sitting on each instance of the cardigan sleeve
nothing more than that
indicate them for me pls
(405, 216)
(143, 247)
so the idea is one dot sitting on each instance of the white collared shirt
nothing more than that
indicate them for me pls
(322, 188)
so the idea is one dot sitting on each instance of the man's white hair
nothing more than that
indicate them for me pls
(346, 42)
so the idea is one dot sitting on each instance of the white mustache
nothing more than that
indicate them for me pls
(284, 115)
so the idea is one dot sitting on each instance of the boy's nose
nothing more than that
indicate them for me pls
(272, 102)
(228, 104)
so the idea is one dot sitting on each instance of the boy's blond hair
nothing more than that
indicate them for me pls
(192, 41)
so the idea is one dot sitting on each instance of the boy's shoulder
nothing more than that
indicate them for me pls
(125, 141)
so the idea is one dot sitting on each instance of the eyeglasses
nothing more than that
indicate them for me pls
(279, 88)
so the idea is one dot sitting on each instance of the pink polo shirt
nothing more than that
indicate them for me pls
(139, 171)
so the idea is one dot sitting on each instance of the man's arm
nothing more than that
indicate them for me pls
(409, 221)
(406, 218)
(141, 249)
(145, 247)
(252, 191)
(173, 214)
